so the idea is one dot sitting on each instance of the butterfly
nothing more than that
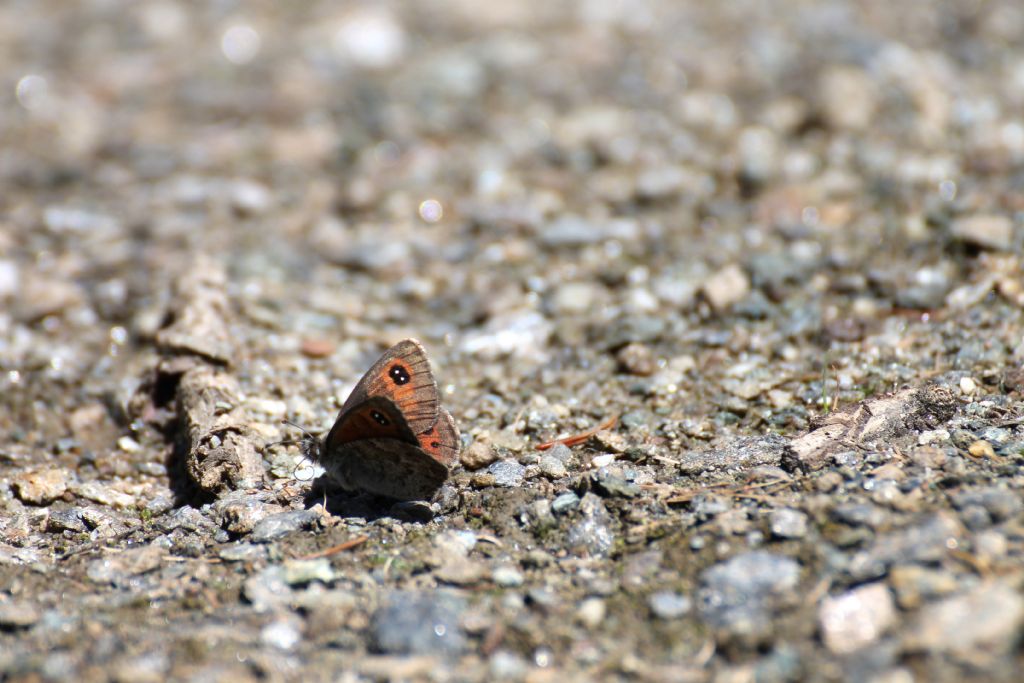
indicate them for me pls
(391, 437)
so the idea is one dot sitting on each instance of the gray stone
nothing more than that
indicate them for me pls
(68, 519)
(186, 518)
(1000, 503)
(561, 453)
(267, 590)
(239, 512)
(593, 533)
(283, 523)
(612, 485)
(301, 572)
(242, 552)
(507, 473)
(669, 604)
(926, 542)
(507, 577)
(552, 468)
(743, 453)
(119, 568)
(860, 514)
(737, 595)
(788, 523)
(985, 621)
(418, 623)
(709, 505)
(565, 502)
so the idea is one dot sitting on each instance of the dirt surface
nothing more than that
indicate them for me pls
(781, 242)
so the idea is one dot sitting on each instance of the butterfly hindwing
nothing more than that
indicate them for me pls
(388, 467)
(402, 375)
(374, 418)
(442, 441)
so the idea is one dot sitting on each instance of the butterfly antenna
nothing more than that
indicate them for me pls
(300, 428)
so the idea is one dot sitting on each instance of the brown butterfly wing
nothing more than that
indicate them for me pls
(442, 441)
(387, 467)
(402, 375)
(374, 418)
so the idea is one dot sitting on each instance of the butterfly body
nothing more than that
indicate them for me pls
(392, 437)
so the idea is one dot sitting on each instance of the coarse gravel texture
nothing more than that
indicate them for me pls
(781, 242)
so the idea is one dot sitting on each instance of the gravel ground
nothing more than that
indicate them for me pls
(780, 242)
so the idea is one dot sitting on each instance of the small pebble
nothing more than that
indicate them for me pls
(477, 455)
(552, 468)
(669, 604)
(564, 503)
(301, 572)
(507, 473)
(41, 487)
(283, 633)
(856, 619)
(981, 449)
(507, 577)
(591, 612)
(788, 523)
(726, 287)
(283, 523)
(636, 359)
(985, 231)
(418, 623)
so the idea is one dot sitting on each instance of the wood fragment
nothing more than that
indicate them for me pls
(874, 420)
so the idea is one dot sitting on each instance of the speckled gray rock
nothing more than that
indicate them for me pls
(552, 468)
(983, 622)
(564, 503)
(1000, 503)
(788, 523)
(743, 452)
(283, 523)
(669, 604)
(925, 542)
(738, 595)
(508, 473)
(119, 569)
(239, 512)
(267, 590)
(592, 533)
(418, 623)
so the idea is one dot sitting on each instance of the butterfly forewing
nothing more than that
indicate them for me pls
(402, 374)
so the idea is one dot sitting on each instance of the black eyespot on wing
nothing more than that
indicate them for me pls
(399, 374)
(435, 444)
(379, 417)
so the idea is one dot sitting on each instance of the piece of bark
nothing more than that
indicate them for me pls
(199, 315)
(873, 420)
(220, 454)
(192, 392)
